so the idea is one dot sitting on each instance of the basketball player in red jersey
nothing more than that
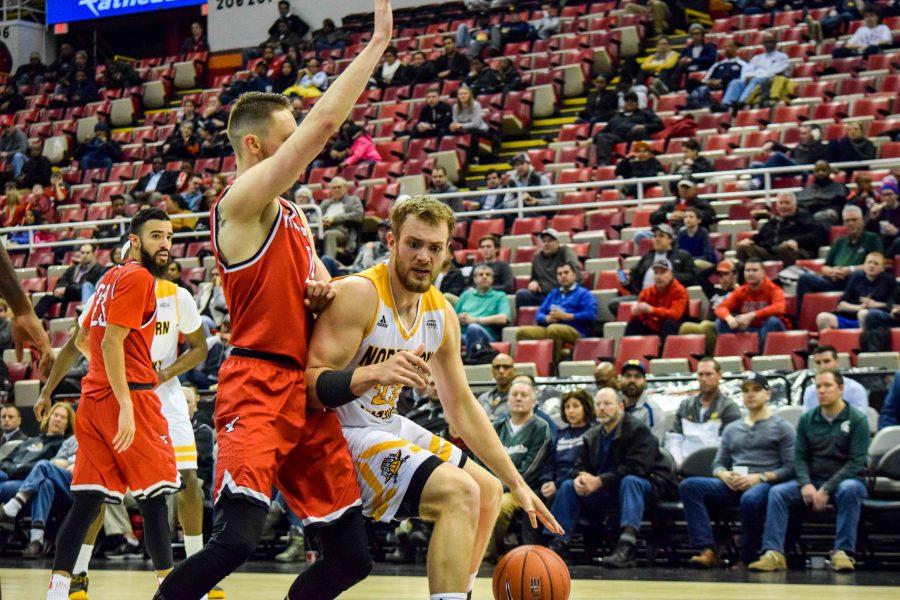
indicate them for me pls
(123, 438)
(269, 270)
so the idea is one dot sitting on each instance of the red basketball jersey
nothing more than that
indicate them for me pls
(265, 293)
(125, 296)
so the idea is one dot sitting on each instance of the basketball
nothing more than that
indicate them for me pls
(531, 573)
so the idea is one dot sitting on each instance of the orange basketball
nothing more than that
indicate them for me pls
(531, 573)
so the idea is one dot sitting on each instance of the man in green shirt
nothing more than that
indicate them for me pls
(482, 311)
(846, 253)
(829, 456)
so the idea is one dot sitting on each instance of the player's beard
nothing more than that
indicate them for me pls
(150, 263)
(411, 284)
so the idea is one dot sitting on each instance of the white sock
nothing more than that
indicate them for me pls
(59, 587)
(132, 541)
(84, 558)
(37, 535)
(472, 578)
(193, 544)
(448, 596)
(12, 507)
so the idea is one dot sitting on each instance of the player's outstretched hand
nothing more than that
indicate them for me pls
(319, 295)
(528, 501)
(27, 329)
(125, 434)
(384, 20)
(42, 405)
(404, 368)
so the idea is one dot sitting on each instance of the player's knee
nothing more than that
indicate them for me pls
(490, 491)
(461, 495)
(236, 547)
(357, 564)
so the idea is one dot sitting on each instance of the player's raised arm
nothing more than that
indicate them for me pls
(252, 193)
(468, 418)
(337, 334)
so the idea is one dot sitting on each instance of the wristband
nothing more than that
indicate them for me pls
(333, 387)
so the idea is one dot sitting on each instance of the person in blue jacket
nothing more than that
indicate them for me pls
(577, 412)
(890, 411)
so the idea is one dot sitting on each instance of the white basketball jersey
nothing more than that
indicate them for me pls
(176, 312)
(385, 336)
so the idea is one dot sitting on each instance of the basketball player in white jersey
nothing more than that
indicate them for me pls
(389, 327)
(176, 312)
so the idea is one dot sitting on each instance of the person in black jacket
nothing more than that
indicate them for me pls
(55, 428)
(640, 162)
(629, 124)
(673, 212)
(620, 464)
(295, 24)
(435, 118)
(37, 169)
(789, 235)
(509, 75)
(11, 100)
(99, 152)
(419, 70)
(482, 79)
(158, 180)
(601, 103)
(692, 162)
(76, 284)
(451, 64)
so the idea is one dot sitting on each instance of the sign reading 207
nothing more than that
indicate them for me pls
(226, 4)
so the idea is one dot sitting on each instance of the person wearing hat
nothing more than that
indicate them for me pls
(638, 403)
(13, 144)
(758, 305)
(566, 314)
(726, 274)
(660, 307)
(619, 465)
(697, 54)
(687, 195)
(755, 453)
(627, 125)
(524, 175)
(372, 253)
(829, 459)
(790, 234)
(640, 162)
(544, 266)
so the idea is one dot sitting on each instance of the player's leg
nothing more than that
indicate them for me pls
(85, 508)
(489, 493)
(190, 511)
(157, 536)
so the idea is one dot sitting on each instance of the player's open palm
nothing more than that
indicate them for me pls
(404, 368)
(125, 434)
(528, 501)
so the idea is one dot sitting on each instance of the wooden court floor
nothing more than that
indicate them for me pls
(31, 584)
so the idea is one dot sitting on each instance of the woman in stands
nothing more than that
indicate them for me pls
(577, 412)
(14, 213)
(287, 77)
(468, 118)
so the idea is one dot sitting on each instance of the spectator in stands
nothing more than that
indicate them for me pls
(37, 168)
(435, 117)
(865, 196)
(692, 162)
(59, 189)
(509, 75)
(831, 447)
(601, 103)
(211, 303)
(76, 284)
(63, 63)
(286, 77)
(475, 39)
(213, 117)
(259, 81)
(342, 218)
(883, 217)
(11, 101)
(42, 202)
(10, 422)
(82, 90)
(193, 195)
(757, 75)
(758, 305)
(660, 65)
(639, 163)
(120, 74)
(629, 124)
(658, 10)
(514, 29)
(372, 253)
(687, 197)
(633, 389)
(468, 119)
(211, 143)
(868, 288)
(527, 439)
(362, 149)
(577, 412)
(204, 437)
(697, 55)
(489, 246)
(117, 208)
(32, 72)
(846, 254)
(441, 185)
(482, 311)
(853, 147)
(566, 314)
(494, 401)
(628, 85)
(490, 201)
(660, 307)
(189, 113)
(525, 175)
(700, 420)
(694, 239)
(790, 234)
(420, 70)
(754, 454)
(482, 79)
(158, 180)
(196, 42)
(176, 205)
(543, 269)
(100, 151)
(823, 198)
(620, 464)
(329, 37)
(312, 81)
(548, 25)
(13, 144)
(842, 13)
(175, 274)
(890, 411)
(14, 212)
(295, 24)
(451, 64)
(81, 62)
(183, 144)
(206, 375)
(809, 150)
(825, 358)
(869, 39)
(57, 425)
(391, 72)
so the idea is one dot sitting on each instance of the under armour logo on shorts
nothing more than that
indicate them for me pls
(229, 427)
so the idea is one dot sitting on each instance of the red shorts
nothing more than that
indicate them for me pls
(267, 438)
(147, 467)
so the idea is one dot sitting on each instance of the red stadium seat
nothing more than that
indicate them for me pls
(526, 315)
(691, 347)
(792, 343)
(482, 227)
(815, 303)
(637, 347)
(616, 248)
(737, 344)
(532, 225)
(539, 352)
(595, 349)
(843, 340)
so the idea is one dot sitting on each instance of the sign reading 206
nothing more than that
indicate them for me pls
(226, 4)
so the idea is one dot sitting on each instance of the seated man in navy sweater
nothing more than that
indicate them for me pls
(566, 314)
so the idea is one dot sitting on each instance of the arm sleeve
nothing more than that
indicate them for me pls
(786, 449)
(544, 310)
(676, 309)
(722, 461)
(638, 458)
(859, 447)
(188, 315)
(129, 296)
(801, 464)
(776, 305)
(891, 408)
(587, 307)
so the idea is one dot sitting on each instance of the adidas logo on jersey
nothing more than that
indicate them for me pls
(383, 322)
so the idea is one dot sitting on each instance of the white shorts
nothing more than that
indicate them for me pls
(393, 461)
(175, 410)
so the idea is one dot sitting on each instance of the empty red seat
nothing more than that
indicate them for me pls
(691, 347)
(792, 343)
(524, 253)
(593, 349)
(526, 225)
(539, 352)
(482, 227)
(843, 340)
(737, 344)
(815, 303)
(526, 315)
(616, 248)
(637, 347)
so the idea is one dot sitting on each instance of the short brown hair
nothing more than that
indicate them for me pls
(429, 209)
(251, 113)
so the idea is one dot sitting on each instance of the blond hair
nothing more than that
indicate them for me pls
(429, 209)
(70, 412)
(251, 114)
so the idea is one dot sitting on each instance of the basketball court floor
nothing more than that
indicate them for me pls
(268, 581)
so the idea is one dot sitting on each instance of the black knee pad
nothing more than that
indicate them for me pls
(237, 529)
(157, 538)
(345, 545)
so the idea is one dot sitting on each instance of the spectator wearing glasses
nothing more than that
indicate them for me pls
(503, 371)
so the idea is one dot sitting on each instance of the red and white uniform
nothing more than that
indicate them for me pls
(266, 436)
(126, 297)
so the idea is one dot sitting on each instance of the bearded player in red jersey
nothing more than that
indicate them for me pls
(123, 438)
(273, 281)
